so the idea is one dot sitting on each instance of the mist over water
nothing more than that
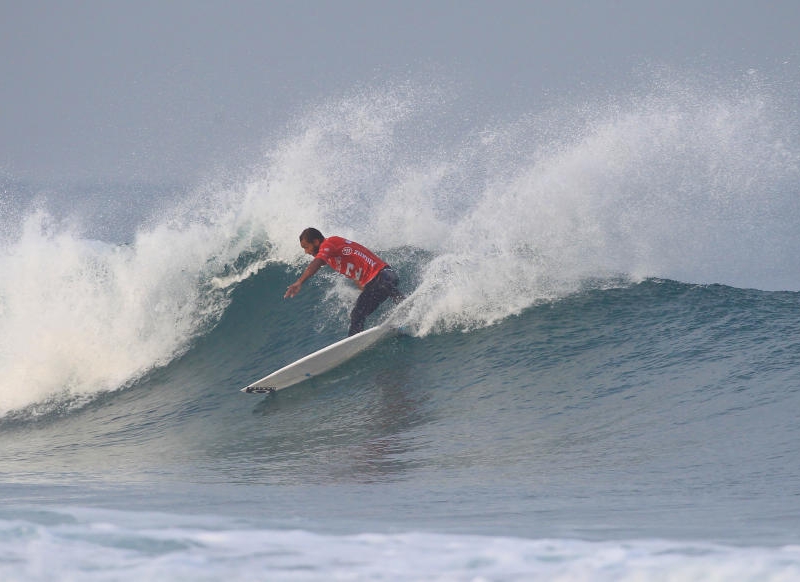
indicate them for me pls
(686, 179)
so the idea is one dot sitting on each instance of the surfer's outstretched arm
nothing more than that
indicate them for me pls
(312, 268)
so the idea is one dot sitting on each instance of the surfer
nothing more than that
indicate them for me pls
(376, 279)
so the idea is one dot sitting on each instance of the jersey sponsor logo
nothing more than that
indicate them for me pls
(347, 251)
(369, 261)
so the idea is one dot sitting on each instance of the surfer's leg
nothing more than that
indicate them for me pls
(384, 285)
(390, 281)
(368, 301)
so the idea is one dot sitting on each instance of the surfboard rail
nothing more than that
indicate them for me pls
(320, 361)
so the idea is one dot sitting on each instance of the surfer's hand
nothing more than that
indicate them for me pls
(293, 289)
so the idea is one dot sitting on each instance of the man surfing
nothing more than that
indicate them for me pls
(374, 277)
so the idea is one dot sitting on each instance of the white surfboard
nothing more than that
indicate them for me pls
(320, 361)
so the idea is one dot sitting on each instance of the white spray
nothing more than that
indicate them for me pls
(679, 180)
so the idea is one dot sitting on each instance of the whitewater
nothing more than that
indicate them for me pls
(598, 377)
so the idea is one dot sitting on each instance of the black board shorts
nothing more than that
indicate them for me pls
(382, 287)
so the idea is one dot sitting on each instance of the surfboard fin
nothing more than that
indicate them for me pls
(259, 390)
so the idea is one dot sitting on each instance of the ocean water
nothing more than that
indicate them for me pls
(598, 378)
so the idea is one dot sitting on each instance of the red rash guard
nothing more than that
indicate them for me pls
(350, 259)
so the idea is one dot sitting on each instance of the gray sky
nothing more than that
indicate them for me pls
(163, 90)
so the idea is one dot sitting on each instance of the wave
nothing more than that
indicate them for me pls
(677, 178)
(79, 542)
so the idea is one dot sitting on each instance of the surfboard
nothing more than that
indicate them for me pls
(320, 361)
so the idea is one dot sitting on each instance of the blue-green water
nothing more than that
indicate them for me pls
(599, 376)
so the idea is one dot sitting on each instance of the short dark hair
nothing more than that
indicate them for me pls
(311, 234)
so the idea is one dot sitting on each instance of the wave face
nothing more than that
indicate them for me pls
(601, 339)
(683, 180)
(616, 404)
(624, 417)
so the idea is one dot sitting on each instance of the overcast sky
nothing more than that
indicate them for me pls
(160, 90)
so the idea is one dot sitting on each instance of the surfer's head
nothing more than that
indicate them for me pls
(310, 239)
